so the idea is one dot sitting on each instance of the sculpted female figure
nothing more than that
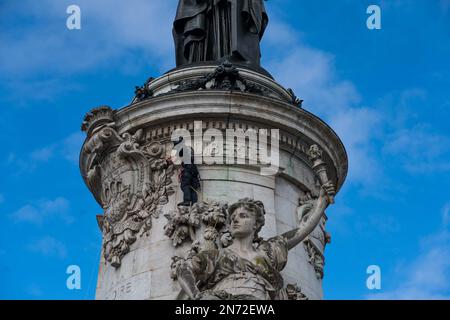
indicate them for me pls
(219, 30)
(249, 268)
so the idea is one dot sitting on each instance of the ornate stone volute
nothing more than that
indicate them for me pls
(128, 177)
(97, 118)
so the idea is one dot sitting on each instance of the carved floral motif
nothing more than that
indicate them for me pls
(183, 222)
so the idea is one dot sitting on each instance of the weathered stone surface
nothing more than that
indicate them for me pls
(173, 81)
(136, 287)
(228, 259)
(146, 126)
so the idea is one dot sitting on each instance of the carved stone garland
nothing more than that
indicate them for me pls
(184, 223)
(225, 77)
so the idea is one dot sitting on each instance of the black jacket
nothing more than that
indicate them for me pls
(190, 175)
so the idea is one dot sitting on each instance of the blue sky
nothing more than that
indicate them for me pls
(385, 92)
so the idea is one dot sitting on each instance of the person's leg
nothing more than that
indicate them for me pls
(194, 196)
(186, 194)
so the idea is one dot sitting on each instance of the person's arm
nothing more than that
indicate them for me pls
(294, 237)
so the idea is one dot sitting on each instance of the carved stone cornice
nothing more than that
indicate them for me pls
(299, 129)
(227, 77)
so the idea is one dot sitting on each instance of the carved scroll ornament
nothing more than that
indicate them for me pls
(130, 180)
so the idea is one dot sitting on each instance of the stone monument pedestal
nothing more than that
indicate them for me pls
(123, 162)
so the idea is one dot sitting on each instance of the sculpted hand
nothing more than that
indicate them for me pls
(326, 192)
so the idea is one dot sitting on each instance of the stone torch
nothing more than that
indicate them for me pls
(320, 168)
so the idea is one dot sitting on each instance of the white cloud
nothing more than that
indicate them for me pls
(410, 143)
(363, 129)
(112, 32)
(38, 90)
(311, 73)
(44, 209)
(28, 213)
(420, 149)
(70, 147)
(43, 154)
(428, 275)
(358, 127)
(67, 149)
(378, 224)
(49, 246)
(279, 33)
(427, 278)
(137, 34)
(126, 36)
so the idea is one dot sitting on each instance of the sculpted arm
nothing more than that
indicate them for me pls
(294, 237)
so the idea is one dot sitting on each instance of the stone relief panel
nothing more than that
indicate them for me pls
(314, 244)
(130, 179)
(228, 259)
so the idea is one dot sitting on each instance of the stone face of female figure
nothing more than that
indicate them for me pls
(250, 268)
(219, 30)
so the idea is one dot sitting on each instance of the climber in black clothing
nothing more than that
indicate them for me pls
(189, 176)
(190, 183)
